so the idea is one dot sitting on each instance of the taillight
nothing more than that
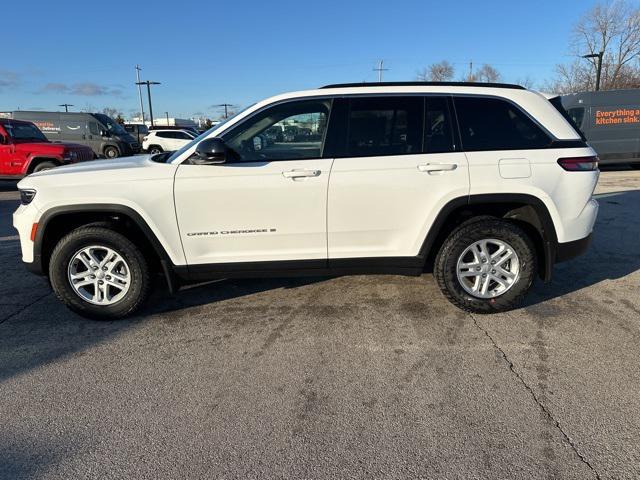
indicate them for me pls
(579, 164)
(144, 139)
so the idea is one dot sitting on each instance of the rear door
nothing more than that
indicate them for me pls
(397, 164)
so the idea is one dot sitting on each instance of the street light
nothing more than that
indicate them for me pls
(148, 83)
(599, 56)
(66, 106)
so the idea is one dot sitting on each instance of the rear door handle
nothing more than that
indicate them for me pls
(437, 167)
(301, 173)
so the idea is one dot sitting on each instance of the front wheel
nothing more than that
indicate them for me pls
(41, 167)
(99, 273)
(486, 266)
(111, 152)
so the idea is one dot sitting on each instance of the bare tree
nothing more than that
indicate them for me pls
(437, 72)
(112, 112)
(487, 74)
(612, 27)
(526, 82)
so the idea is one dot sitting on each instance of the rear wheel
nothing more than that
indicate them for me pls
(99, 273)
(42, 166)
(111, 152)
(155, 149)
(486, 266)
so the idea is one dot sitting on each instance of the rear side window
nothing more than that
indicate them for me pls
(495, 124)
(577, 115)
(384, 126)
(438, 133)
(165, 134)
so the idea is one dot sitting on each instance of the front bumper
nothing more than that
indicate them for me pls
(23, 219)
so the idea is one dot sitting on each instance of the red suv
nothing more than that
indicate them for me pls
(24, 149)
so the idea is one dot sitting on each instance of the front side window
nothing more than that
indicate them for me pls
(302, 127)
(384, 126)
(93, 128)
(495, 124)
(183, 136)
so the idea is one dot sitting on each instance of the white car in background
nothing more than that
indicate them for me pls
(158, 141)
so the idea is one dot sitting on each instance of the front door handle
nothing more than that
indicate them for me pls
(437, 167)
(301, 173)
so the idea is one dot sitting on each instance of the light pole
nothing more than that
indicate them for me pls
(66, 106)
(139, 91)
(148, 83)
(599, 56)
(167, 115)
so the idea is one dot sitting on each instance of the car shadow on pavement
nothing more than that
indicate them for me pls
(50, 332)
(614, 252)
(220, 290)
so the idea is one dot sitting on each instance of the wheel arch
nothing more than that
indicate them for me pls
(528, 211)
(36, 160)
(58, 221)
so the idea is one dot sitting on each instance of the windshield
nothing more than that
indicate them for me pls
(113, 127)
(202, 136)
(24, 131)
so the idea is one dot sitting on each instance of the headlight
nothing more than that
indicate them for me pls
(27, 196)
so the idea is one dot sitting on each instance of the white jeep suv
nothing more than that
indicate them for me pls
(158, 141)
(487, 184)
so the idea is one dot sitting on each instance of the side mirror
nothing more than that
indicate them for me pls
(211, 151)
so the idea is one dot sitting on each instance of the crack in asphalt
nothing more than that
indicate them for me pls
(544, 409)
(18, 312)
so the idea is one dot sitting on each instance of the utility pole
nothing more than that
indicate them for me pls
(226, 106)
(470, 71)
(599, 56)
(148, 83)
(66, 106)
(380, 69)
(139, 91)
(167, 115)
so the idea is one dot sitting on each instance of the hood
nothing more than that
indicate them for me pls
(99, 166)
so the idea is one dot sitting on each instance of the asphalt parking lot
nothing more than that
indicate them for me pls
(350, 377)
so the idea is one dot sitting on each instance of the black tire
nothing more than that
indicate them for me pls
(445, 268)
(69, 245)
(155, 149)
(42, 166)
(111, 152)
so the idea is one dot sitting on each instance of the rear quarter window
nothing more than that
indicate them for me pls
(496, 124)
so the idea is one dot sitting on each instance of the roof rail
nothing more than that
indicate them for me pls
(426, 84)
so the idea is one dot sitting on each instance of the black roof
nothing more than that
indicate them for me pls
(426, 84)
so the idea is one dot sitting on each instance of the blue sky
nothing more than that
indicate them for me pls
(210, 52)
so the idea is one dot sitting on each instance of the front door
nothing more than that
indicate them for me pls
(268, 205)
(397, 165)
